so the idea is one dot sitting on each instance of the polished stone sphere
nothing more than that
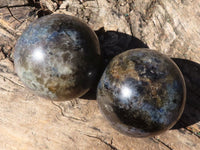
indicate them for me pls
(58, 57)
(141, 93)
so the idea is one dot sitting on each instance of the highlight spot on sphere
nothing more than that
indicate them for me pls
(38, 54)
(126, 92)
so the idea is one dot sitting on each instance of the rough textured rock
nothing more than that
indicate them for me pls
(30, 122)
(11, 3)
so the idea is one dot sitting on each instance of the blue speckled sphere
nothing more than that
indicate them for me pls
(58, 57)
(141, 93)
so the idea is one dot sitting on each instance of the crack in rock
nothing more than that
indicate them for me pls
(159, 141)
(98, 138)
(69, 117)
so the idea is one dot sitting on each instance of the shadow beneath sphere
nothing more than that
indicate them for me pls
(112, 43)
(191, 73)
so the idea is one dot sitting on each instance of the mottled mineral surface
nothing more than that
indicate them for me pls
(58, 57)
(142, 93)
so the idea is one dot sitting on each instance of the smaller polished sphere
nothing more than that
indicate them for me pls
(141, 93)
(58, 57)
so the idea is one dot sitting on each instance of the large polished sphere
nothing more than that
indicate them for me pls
(141, 93)
(58, 57)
